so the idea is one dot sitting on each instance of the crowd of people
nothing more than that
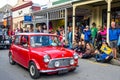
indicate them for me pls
(89, 41)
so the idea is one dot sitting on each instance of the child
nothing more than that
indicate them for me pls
(106, 53)
(80, 49)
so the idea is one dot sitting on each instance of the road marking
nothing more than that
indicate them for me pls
(102, 64)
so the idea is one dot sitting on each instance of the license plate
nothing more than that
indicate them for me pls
(63, 71)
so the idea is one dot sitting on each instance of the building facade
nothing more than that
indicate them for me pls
(6, 16)
(20, 9)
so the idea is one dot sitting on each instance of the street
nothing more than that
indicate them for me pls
(87, 70)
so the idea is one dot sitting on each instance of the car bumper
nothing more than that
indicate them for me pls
(58, 69)
(3, 44)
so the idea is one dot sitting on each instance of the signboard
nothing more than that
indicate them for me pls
(28, 18)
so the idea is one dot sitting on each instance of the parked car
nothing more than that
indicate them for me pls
(42, 53)
(5, 40)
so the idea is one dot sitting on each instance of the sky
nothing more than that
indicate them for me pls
(13, 2)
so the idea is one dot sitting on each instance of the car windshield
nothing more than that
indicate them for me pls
(37, 41)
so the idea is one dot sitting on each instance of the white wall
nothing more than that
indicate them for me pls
(21, 12)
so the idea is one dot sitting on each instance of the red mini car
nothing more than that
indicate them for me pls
(42, 53)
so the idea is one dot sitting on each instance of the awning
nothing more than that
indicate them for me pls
(79, 3)
(53, 13)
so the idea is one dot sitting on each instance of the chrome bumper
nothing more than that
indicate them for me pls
(59, 69)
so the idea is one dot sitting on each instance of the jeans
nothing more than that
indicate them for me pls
(93, 41)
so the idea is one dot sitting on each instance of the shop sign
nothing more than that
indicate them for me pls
(28, 18)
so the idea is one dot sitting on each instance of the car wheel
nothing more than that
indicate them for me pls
(8, 46)
(11, 61)
(34, 72)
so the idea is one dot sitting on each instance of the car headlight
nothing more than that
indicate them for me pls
(75, 56)
(57, 64)
(46, 58)
(72, 62)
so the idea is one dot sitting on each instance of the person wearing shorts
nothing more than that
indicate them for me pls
(113, 37)
(113, 44)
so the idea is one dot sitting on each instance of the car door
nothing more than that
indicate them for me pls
(15, 48)
(24, 51)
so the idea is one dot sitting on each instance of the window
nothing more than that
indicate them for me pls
(24, 41)
(17, 40)
(37, 41)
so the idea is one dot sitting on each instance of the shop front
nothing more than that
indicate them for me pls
(102, 11)
(115, 15)
(54, 17)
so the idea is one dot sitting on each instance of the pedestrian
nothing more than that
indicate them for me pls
(113, 38)
(103, 32)
(89, 51)
(70, 38)
(105, 54)
(30, 30)
(99, 38)
(45, 29)
(80, 49)
(93, 33)
(39, 29)
(77, 34)
(87, 34)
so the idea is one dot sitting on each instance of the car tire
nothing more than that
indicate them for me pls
(8, 46)
(11, 61)
(33, 71)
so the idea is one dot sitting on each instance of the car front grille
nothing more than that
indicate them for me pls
(63, 62)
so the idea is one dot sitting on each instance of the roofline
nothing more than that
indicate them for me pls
(55, 8)
(22, 6)
(77, 1)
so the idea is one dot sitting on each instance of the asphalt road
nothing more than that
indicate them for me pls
(87, 70)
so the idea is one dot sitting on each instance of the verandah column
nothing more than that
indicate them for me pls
(108, 17)
(73, 23)
(66, 20)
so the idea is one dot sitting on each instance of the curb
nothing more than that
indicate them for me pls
(112, 62)
(115, 62)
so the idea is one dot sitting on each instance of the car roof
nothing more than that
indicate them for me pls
(32, 34)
